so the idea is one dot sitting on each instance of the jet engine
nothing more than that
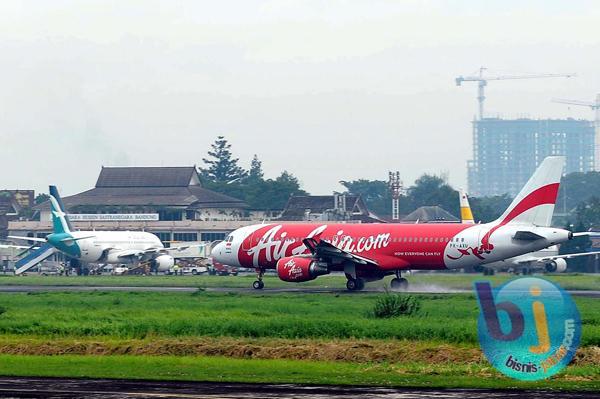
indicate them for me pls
(300, 268)
(556, 266)
(163, 263)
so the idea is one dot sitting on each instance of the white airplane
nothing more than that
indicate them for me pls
(546, 259)
(108, 247)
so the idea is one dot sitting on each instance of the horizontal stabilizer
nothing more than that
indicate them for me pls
(585, 234)
(71, 239)
(527, 236)
(35, 257)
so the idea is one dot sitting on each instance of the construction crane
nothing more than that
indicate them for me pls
(595, 106)
(482, 82)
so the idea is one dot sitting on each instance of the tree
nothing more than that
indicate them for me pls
(256, 172)
(222, 167)
(430, 190)
(488, 209)
(576, 188)
(41, 197)
(375, 193)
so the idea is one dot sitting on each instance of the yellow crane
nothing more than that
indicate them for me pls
(482, 80)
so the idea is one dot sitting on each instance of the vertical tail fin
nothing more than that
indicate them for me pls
(534, 205)
(466, 215)
(60, 221)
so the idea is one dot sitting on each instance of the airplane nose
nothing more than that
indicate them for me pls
(218, 252)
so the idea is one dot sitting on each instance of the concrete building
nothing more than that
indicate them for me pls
(506, 152)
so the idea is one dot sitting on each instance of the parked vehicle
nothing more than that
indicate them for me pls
(219, 269)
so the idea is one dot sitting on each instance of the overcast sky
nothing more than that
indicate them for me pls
(329, 90)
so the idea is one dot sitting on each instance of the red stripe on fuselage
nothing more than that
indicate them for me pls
(392, 246)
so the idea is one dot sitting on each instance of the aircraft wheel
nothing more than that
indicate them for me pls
(360, 284)
(399, 284)
(351, 284)
(258, 285)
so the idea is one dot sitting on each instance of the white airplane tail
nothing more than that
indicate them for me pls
(534, 205)
(466, 215)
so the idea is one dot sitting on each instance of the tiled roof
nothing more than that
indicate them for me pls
(150, 186)
(145, 176)
(430, 214)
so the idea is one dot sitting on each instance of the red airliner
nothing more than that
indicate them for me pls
(368, 252)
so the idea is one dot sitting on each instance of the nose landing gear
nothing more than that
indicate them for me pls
(259, 284)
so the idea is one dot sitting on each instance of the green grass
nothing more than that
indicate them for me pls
(447, 318)
(98, 325)
(185, 368)
(439, 280)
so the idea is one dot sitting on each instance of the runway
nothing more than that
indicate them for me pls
(105, 388)
(266, 291)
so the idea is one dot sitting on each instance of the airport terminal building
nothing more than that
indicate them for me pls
(167, 201)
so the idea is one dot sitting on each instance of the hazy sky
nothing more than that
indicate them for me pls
(329, 90)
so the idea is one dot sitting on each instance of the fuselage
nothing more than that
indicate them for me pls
(391, 246)
(103, 246)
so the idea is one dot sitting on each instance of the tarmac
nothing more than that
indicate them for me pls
(416, 289)
(18, 387)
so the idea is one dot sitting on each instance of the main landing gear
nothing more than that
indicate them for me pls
(259, 283)
(399, 283)
(355, 284)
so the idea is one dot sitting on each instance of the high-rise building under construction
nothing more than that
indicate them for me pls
(507, 151)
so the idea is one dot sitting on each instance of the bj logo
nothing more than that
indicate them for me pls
(528, 328)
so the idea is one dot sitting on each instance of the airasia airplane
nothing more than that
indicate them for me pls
(367, 252)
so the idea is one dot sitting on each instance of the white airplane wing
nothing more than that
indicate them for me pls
(10, 246)
(548, 258)
(36, 239)
(155, 251)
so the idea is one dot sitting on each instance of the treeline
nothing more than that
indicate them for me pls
(579, 195)
(222, 173)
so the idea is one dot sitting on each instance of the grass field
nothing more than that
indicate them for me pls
(285, 371)
(317, 338)
(424, 280)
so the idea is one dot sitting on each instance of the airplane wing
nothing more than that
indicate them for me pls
(173, 250)
(532, 259)
(569, 256)
(154, 251)
(36, 239)
(9, 246)
(324, 249)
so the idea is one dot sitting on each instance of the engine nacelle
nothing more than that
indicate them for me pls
(163, 262)
(300, 268)
(556, 266)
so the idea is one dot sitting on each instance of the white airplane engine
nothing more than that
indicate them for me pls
(164, 263)
(556, 266)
